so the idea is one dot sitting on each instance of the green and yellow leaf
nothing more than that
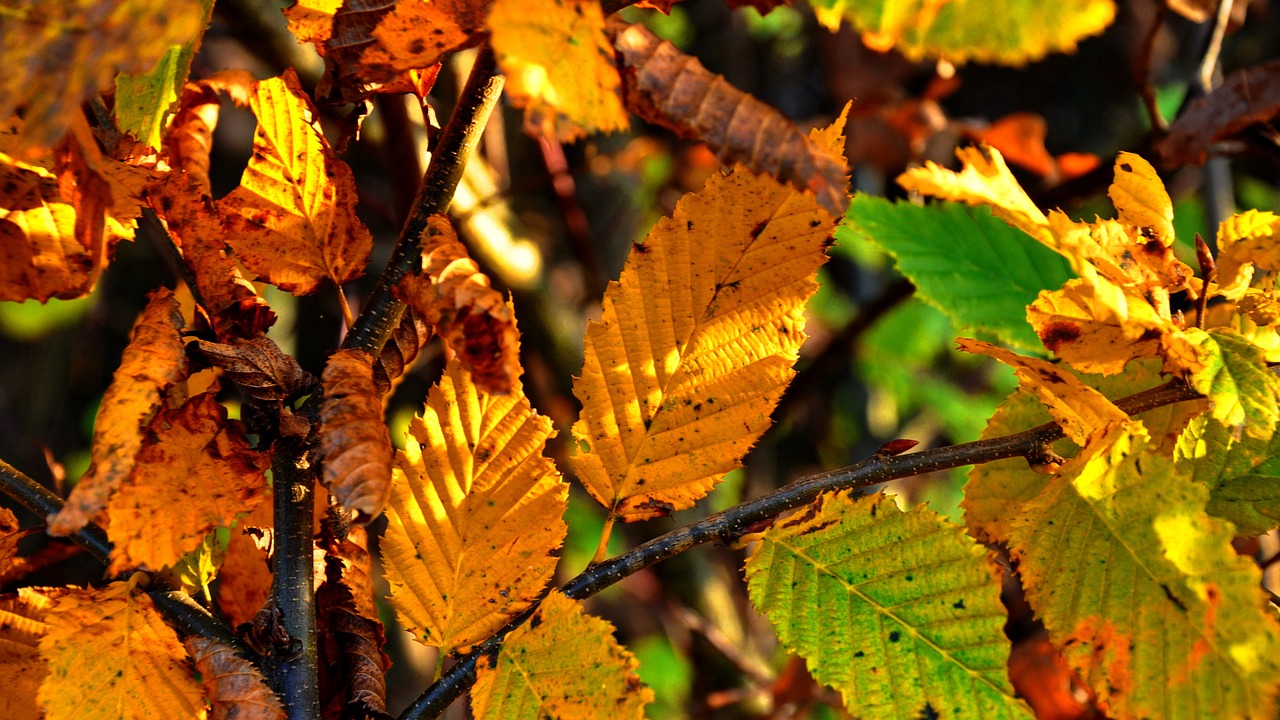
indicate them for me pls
(143, 99)
(1242, 473)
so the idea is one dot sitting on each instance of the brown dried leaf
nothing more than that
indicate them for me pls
(671, 89)
(402, 347)
(352, 663)
(244, 580)
(1247, 97)
(263, 372)
(354, 446)
(152, 362)
(10, 534)
(456, 298)
(21, 627)
(190, 135)
(195, 472)
(236, 689)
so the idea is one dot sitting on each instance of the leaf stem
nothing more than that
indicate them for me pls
(381, 314)
(730, 524)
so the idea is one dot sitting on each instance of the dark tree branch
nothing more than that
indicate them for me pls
(730, 524)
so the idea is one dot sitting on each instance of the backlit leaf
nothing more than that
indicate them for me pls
(195, 472)
(1140, 197)
(189, 138)
(1251, 238)
(21, 627)
(474, 519)
(311, 21)
(402, 347)
(695, 344)
(354, 446)
(244, 580)
(111, 655)
(559, 65)
(418, 34)
(1141, 590)
(562, 663)
(153, 361)
(1010, 32)
(292, 220)
(236, 689)
(40, 255)
(900, 612)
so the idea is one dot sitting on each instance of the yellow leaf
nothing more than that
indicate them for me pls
(562, 663)
(1078, 408)
(559, 65)
(311, 21)
(195, 472)
(111, 655)
(354, 446)
(475, 514)
(293, 220)
(40, 255)
(1246, 241)
(695, 344)
(236, 689)
(153, 361)
(1140, 198)
(21, 627)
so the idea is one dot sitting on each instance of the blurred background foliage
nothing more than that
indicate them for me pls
(553, 223)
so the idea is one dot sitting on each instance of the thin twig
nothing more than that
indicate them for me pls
(1209, 63)
(1142, 70)
(730, 524)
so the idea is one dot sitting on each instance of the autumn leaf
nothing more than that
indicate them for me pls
(562, 663)
(62, 53)
(244, 580)
(189, 138)
(672, 89)
(236, 689)
(1241, 388)
(1247, 243)
(193, 572)
(195, 472)
(474, 520)
(292, 220)
(259, 368)
(10, 534)
(354, 447)
(311, 21)
(1241, 472)
(455, 299)
(918, 604)
(418, 34)
(152, 362)
(1010, 32)
(402, 348)
(111, 655)
(1246, 98)
(21, 626)
(40, 255)
(559, 66)
(352, 663)
(695, 344)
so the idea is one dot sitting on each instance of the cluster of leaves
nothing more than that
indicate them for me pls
(1122, 535)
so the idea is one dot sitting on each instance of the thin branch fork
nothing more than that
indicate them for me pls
(727, 526)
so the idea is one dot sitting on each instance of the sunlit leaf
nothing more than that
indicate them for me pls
(1249, 239)
(189, 139)
(21, 627)
(293, 220)
(195, 472)
(354, 446)
(559, 65)
(695, 344)
(402, 348)
(244, 580)
(153, 361)
(1242, 389)
(194, 571)
(111, 655)
(418, 34)
(1241, 472)
(474, 520)
(562, 663)
(1140, 198)
(900, 612)
(311, 21)
(236, 689)
(144, 99)
(40, 255)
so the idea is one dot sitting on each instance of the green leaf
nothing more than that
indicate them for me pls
(143, 99)
(1242, 474)
(1140, 589)
(1237, 381)
(900, 612)
(973, 266)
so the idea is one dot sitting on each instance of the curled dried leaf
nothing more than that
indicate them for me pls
(402, 347)
(263, 372)
(236, 689)
(674, 90)
(354, 446)
(190, 135)
(353, 665)
(456, 298)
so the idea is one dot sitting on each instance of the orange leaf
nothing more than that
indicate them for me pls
(195, 472)
(311, 21)
(455, 297)
(21, 627)
(352, 664)
(244, 580)
(293, 220)
(111, 655)
(415, 35)
(152, 362)
(236, 689)
(1020, 138)
(10, 534)
(190, 135)
(41, 255)
(354, 446)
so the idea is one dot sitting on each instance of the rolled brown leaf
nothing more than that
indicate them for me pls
(263, 372)
(354, 447)
(1247, 98)
(353, 665)
(236, 689)
(402, 348)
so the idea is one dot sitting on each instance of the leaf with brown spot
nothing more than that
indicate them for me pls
(21, 627)
(195, 472)
(402, 348)
(354, 447)
(352, 664)
(152, 362)
(457, 300)
(263, 372)
(236, 689)
(292, 220)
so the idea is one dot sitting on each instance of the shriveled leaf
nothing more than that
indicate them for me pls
(455, 298)
(1242, 389)
(696, 343)
(11, 533)
(900, 612)
(672, 89)
(21, 627)
(195, 472)
(1009, 32)
(152, 362)
(262, 371)
(978, 270)
(110, 654)
(474, 520)
(402, 347)
(190, 135)
(562, 663)
(62, 53)
(353, 665)
(236, 689)
(293, 220)
(559, 65)
(1245, 99)
(354, 446)
(1141, 590)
